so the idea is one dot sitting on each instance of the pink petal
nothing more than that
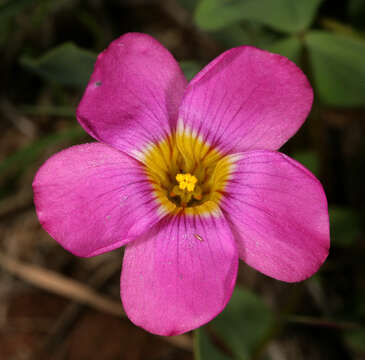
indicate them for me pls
(92, 198)
(133, 95)
(180, 275)
(279, 215)
(247, 99)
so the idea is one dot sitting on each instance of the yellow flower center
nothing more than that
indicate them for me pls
(187, 174)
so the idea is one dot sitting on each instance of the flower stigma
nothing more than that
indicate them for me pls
(186, 181)
(186, 188)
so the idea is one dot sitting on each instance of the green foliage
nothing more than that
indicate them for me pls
(66, 65)
(24, 157)
(13, 7)
(188, 4)
(345, 226)
(190, 68)
(283, 15)
(232, 36)
(309, 159)
(250, 33)
(244, 324)
(356, 340)
(290, 47)
(204, 349)
(338, 67)
(8, 10)
(356, 10)
(65, 111)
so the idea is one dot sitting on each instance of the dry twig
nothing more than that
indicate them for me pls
(72, 289)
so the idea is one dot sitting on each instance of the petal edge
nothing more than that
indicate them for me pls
(247, 99)
(133, 95)
(181, 275)
(90, 198)
(278, 211)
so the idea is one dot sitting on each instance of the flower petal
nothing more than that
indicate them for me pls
(279, 215)
(92, 198)
(133, 95)
(246, 99)
(180, 275)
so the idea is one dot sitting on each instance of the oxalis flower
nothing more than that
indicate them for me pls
(189, 178)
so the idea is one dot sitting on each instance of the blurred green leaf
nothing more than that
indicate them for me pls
(64, 111)
(290, 47)
(250, 33)
(244, 324)
(30, 153)
(67, 65)
(359, 308)
(309, 159)
(204, 349)
(356, 340)
(188, 4)
(345, 226)
(337, 27)
(190, 68)
(231, 36)
(13, 7)
(338, 67)
(356, 11)
(284, 15)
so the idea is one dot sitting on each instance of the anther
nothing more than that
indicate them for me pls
(186, 182)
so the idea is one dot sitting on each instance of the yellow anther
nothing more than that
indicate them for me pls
(190, 186)
(186, 181)
(183, 185)
(190, 179)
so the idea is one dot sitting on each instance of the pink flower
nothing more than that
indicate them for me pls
(189, 178)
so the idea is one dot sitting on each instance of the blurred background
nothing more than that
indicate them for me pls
(56, 306)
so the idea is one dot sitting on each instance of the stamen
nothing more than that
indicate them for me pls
(186, 181)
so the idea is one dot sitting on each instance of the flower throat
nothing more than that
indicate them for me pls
(186, 172)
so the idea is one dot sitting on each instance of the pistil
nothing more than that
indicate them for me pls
(186, 181)
(186, 188)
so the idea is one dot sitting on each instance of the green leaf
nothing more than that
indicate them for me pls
(244, 324)
(309, 159)
(13, 7)
(67, 65)
(339, 28)
(232, 36)
(356, 340)
(338, 67)
(283, 15)
(188, 4)
(204, 349)
(345, 226)
(30, 153)
(64, 111)
(290, 47)
(190, 68)
(249, 33)
(356, 10)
